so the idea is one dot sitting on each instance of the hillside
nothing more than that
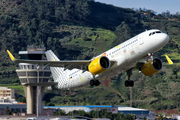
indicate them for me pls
(81, 29)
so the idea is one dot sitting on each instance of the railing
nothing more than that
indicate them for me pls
(32, 66)
(36, 48)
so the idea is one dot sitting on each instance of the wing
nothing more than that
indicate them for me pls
(66, 64)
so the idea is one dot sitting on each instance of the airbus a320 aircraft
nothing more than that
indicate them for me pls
(136, 52)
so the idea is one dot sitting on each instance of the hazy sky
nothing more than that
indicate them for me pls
(158, 6)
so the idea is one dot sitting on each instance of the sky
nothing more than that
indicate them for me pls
(157, 6)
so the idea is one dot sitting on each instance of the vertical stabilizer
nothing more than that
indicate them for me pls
(57, 72)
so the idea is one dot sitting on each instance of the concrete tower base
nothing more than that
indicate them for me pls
(34, 95)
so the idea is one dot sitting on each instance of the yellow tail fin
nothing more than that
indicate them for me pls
(10, 55)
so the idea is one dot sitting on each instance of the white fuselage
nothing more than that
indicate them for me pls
(126, 55)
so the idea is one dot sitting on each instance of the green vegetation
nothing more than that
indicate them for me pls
(18, 88)
(98, 114)
(90, 37)
(82, 29)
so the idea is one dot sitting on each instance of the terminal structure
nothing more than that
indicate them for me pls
(7, 95)
(34, 78)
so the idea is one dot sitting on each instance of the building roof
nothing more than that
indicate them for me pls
(13, 105)
(120, 108)
(130, 109)
(31, 52)
(89, 106)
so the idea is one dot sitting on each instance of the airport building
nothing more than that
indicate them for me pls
(140, 113)
(7, 101)
(7, 95)
(13, 108)
(20, 109)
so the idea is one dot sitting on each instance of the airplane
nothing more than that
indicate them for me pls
(136, 52)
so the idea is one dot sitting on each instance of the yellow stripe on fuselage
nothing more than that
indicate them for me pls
(117, 46)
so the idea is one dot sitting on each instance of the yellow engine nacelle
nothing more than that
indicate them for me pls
(151, 67)
(99, 65)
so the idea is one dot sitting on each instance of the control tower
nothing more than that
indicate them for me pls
(34, 78)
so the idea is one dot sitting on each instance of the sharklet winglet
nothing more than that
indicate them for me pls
(10, 55)
(168, 60)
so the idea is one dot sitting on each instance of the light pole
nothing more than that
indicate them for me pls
(130, 96)
(38, 89)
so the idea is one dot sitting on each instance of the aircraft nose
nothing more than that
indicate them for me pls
(166, 37)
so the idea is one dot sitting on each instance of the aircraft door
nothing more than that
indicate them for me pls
(141, 40)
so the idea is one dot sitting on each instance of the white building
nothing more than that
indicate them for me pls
(7, 95)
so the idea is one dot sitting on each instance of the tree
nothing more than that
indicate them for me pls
(21, 99)
(166, 14)
(7, 111)
(60, 112)
(123, 32)
(50, 104)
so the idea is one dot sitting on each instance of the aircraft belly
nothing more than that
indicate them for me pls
(85, 78)
(63, 83)
(82, 79)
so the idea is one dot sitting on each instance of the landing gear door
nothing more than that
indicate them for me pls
(141, 40)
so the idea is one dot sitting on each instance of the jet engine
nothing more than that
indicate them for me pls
(99, 65)
(151, 67)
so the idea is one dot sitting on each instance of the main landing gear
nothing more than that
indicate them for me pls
(94, 83)
(129, 83)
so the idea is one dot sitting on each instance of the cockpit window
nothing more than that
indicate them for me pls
(158, 31)
(154, 33)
